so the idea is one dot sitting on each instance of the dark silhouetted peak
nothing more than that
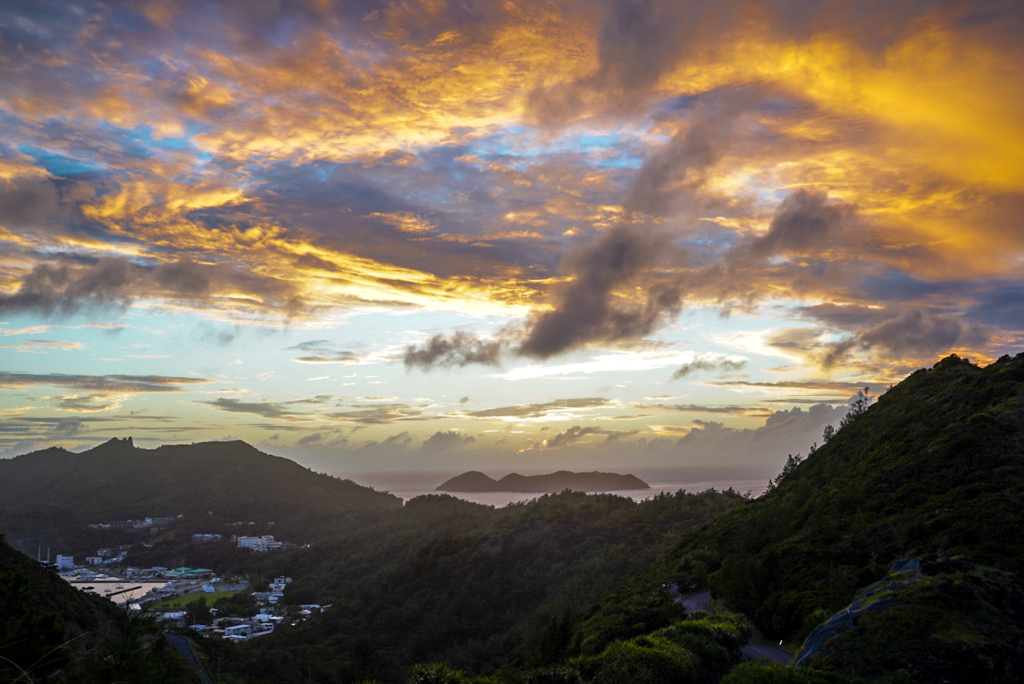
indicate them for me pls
(473, 481)
(115, 444)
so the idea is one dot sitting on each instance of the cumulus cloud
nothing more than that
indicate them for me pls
(446, 441)
(784, 432)
(588, 309)
(66, 428)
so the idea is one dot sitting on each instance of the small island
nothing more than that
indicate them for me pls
(475, 481)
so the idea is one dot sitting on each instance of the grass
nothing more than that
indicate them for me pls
(185, 599)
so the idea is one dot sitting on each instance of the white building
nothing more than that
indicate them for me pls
(65, 562)
(264, 543)
(94, 560)
(238, 631)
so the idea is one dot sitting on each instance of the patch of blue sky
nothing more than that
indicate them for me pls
(141, 140)
(607, 148)
(59, 164)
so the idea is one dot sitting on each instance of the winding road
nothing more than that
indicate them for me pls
(755, 650)
(187, 651)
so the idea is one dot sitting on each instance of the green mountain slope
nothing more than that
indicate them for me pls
(936, 465)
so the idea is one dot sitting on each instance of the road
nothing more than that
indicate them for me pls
(753, 650)
(184, 647)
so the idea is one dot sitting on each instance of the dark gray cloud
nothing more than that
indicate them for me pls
(446, 441)
(913, 333)
(266, 409)
(61, 289)
(28, 203)
(109, 384)
(112, 282)
(459, 349)
(539, 410)
(804, 220)
(588, 309)
(677, 171)
(191, 280)
(708, 364)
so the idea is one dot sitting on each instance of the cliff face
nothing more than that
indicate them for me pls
(544, 484)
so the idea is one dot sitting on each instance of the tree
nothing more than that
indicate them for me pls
(198, 612)
(858, 406)
(791, 463)
(829, 433)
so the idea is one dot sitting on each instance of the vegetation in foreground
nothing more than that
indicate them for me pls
(52, 632)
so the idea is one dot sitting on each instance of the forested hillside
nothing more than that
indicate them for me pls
(936, 465)
(468, 584)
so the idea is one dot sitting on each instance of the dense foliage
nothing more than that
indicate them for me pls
(448, 580)
(51, 632)
(935, 465)
(695, 651)
(951, 620)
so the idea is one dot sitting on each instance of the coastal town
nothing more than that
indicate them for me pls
(200, 599)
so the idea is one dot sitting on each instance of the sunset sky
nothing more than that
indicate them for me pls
(501, 235)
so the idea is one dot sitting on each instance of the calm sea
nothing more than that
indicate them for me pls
(410, 484)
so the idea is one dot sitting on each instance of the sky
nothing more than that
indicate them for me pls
(428, 235)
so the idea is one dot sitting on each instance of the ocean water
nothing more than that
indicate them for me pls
(410, 484)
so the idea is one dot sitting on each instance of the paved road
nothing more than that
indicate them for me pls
(756, 650)
(184, 648)
(752, 651)
(694, 602)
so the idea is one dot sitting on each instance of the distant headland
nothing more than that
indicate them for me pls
(475, 481)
